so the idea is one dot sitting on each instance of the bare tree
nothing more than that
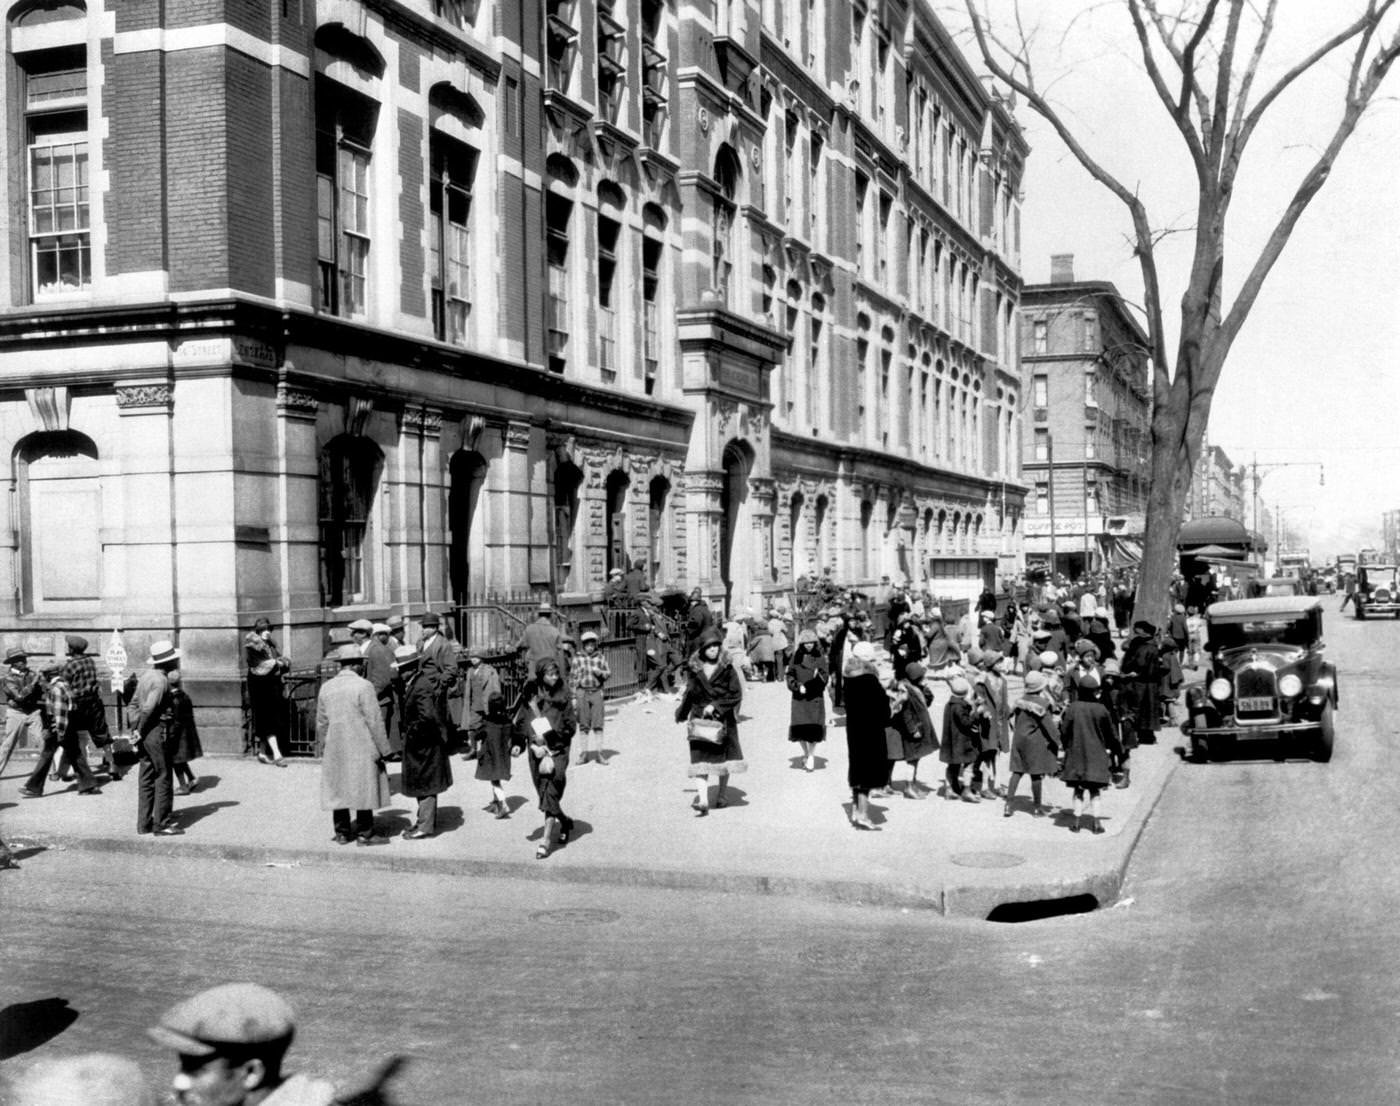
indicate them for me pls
(1203, 61)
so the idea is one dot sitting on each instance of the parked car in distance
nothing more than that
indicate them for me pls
(1282, 585)
(1377, 591)
(1268, 680)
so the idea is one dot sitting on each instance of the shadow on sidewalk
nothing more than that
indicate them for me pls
(187, 816)
(206, 783)
(27, 1025)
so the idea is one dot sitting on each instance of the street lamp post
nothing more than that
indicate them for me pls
(1050, 495)
(1257, 478)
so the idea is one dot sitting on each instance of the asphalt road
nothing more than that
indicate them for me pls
(1252, 960)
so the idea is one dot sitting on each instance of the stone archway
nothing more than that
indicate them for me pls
(735, 546)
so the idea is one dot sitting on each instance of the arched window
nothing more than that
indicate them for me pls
(616, 520)
(722, 242)
(611, 265)
(658, 538)
(568, 479)
(60, 513)
(452, 160)
(653, 238)
(867, 513)
(48, 41)
(345, 126)
(561, 179)
(467, 478)
(819, 534)
(350, 470)
(797, 535)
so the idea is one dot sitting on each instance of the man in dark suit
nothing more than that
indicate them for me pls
(698, 619)
(379, 670)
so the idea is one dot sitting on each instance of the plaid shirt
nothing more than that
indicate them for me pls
(590, 671)
(58, 702)
(81, 674)
(23, 689)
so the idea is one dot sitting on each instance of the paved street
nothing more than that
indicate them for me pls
(1247, 962)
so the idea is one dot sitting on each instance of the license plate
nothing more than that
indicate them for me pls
(1255, 703)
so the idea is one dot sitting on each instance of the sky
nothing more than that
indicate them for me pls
(1311, 389)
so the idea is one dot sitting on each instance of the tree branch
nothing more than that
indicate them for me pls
(1225, 70)
(1312, 181)
(1160, 22)
(1164, 93)
(1256, 113)
(1188, 55)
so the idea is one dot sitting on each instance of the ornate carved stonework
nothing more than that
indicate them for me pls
(49, 406)
(357, 412)
(294, 403)
(143, 397)
(426, 420)
(725, 412)
(517, 436)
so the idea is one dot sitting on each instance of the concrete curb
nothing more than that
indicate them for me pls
(962, 899)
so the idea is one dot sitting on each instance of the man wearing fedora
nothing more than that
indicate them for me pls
(89, 713)
(232, 1041)
(438, 660)
(59, 734)
(350, 731)
(24, 693)
(427, 770)
(154, 711)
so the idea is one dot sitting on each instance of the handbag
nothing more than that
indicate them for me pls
(709, 731)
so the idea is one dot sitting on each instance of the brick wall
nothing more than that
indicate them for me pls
(412, 300)
(134, 156)
(196, 169)
(251, 195)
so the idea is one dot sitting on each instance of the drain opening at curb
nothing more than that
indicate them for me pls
(1039, 909)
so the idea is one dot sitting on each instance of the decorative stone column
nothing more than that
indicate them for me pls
(295, 532)
(704, 504)
(762, 496)
(422, 498)
(523, 493)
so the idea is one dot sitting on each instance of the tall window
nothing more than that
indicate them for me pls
(612, 65)
(862, 193)
(790, 354)
(561, 42)
(814, 197)
(1040, 392)
(350, 467)
(882, 239)
(55, 120)
(814, 360)
(345, 123)
(568, 479)
(58, 479)
(449, 245)
(1042, 499)
(722, 239)
(558, 210)
(651, 308)
(609, 230)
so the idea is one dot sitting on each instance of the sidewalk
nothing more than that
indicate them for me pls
(786, 831)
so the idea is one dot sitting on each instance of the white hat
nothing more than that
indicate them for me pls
(163, 652)
(364, 625)
(863, 650)
(588, 635)
(381, 628)
(406, 654)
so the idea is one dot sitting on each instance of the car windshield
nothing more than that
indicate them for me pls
(1280, 631)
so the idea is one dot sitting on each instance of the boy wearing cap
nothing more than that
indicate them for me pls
(88, 714)
(1034, 748)
(154, 708)
(963, 726)
(57, 714)
(24, 692)
(232, 1041)
(427, 769)
(590, 672)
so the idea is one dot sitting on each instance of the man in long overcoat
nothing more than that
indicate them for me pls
(427, 771)
(354, 745)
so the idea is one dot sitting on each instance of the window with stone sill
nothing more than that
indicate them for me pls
(345, 126)
(56, 164)
(453, 167)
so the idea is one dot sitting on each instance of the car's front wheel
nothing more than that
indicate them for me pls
(1360, 613)
(1326, 734)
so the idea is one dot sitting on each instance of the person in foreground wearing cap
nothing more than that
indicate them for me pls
(380, 657)
(89, 713)
(24, 694)
(963, 727)
(427, 769)
(155, 734)
(590, 672)
(1034, 747)
(807, 676)
(994, 698)
(232, 1041)
(351, 732)
(267, 701)
(867, 716)
(57, 715)
(94, 1079)
(712, 692)
(545, 723)
(539, 641)
(1088, 737)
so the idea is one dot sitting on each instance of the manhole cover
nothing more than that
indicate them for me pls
(580, 917)
(987, 860)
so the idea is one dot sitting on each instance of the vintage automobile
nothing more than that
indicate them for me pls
(1377, 591)
(1268, 680)
(1282, 585)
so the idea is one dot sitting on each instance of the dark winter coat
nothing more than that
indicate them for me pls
(1034, 748)
(1142, 679)
(427, 769)
(1086, 731)
(723, 691)
(963, 729)
(867, 715)
(557, 707)
(906, 647)
(915, 724)
(807, 679)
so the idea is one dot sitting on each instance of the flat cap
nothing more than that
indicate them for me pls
(15, 654)
(381, 628)
(230, 1016)
(395, 622)
(363, 625)
(347, 654)
(76, 644)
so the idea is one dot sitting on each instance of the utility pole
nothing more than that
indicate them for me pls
(1084, 482)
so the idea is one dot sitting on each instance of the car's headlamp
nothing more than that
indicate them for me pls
(1290, 685)
(1220, 688)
